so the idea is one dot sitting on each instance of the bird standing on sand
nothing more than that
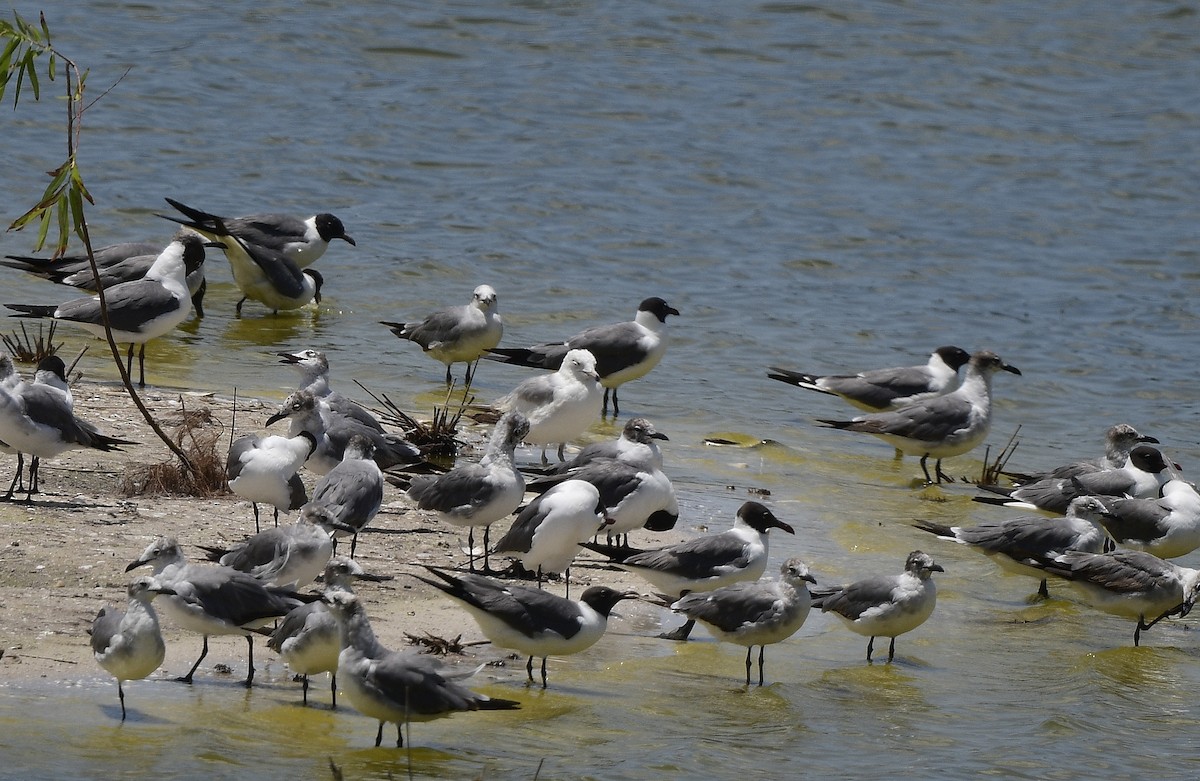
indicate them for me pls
(264, 469)
(559, 406)
(350, 495)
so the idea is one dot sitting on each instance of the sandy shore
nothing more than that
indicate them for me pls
(64, 555)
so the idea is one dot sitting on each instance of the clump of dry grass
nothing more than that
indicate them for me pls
(199, 434)
(438, 437)
(994, 468)
(22, 347)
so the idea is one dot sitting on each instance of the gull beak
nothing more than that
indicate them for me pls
(288, 357)
(134, 565)
(1008, 367)
(346, 238)
(276, 417)
(659, 435)
(781, 525)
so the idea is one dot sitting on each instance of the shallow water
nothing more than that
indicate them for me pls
(817, 186)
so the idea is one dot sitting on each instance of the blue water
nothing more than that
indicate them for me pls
(822, 186)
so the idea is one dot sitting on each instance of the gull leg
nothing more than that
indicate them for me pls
(203, 653)
(543, 672)
(891, 650)
(121, 694)
(304, 683)
(604, 409)
(529, 669)
(333, 689)
(870, 647)
(924, 458)
(1044, 590)
(250, 676)
(237, 310)
(761, 652)
(379, 735)
(749, 648)
(940, 474)
(129, 363)
(254, 505)
(449, 379)
(471, 548)
(616, 406)
(142, 366)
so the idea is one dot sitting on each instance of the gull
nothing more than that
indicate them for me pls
(944, 426)
(9, 381)
(288, 557)
(1168, 527)
(269, 253)
(1128, 583)
(263, 469)
(885, 606)
(1142, 476)
(1012, 542)
(623, 351)
(759, 613)
(213, 600)
(396, 687)
(38, 418)
(886, 389)
(637, 445)
(314, 378)
(129, 644)
(531, 620)
(274, 279)
(478, 494)
(140, 310)
(546, 535)
(307, 637)
(634, 496)
(333, 431)
(457, 335)
(706, 563)
(1119, 441)
(349, 496)
(124, 262)
(559, 406)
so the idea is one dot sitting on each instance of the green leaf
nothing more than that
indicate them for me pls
(43, 229)
(33, 79)
(64, 220)
(50, 67)
(45, 27)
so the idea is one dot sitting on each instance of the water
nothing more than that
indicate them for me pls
(820, 186)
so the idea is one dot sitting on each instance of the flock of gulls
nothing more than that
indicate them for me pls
(1106, 526)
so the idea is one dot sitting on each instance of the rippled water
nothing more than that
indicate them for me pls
(822, 186)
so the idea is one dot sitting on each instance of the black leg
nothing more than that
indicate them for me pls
(941, 476)
(616, 406)
(604, 409)
(35, 470)
(129, 362)
(379, 733)
(749, 648)
(333, 688)
(353, 544)
(761, 652)
(250, 675)
(304, 683)
(203, 653)
(1043, 590)
(891, 650)
(449, 379)
(870, 648)
(529, 669)
(276, 519)
(121, 694)
(487, 544)
(471, 548)
(237, 310)
(543, 672)
(16, 478)
(924, 469)
(142, 366)
(399, 735)
(256, 527)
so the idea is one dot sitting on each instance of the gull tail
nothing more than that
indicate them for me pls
(933, 527)
(31, 310)
(808, 381)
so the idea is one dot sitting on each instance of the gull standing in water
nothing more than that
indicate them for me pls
(623, 351)
(395, 687)
(759, 613)
(1128, 583)
(1012, 542)
(705, 563)
(1119, 441)
(886, 389)
(307, 637)
(212, 600)
(943, 426)
(129, 644)
(1168, 526)
(885, 605)
(125, 262)
(140, 310)
(457, 335)
(531, 620)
